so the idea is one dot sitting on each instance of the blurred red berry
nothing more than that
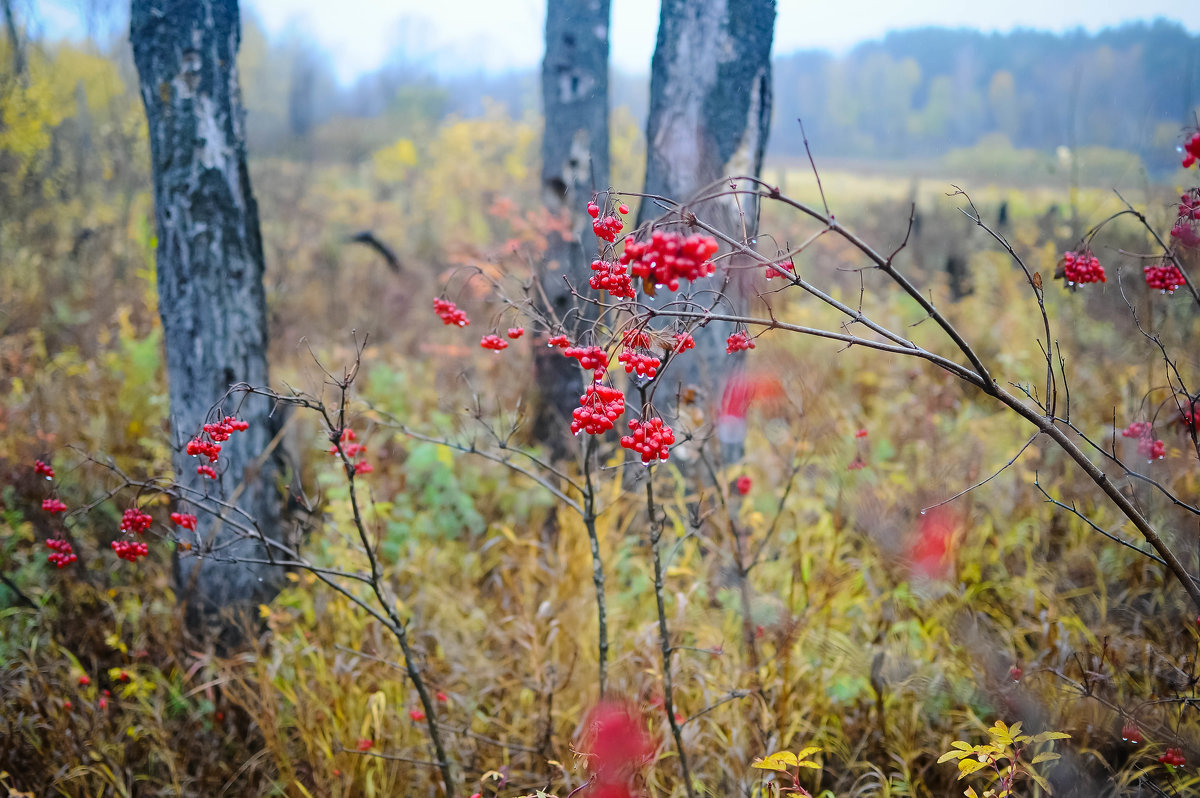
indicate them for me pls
(42, 469)
(365, 744)
(743, 484)
(416, 714)
(53, 506)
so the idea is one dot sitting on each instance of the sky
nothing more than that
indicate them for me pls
(466, 36)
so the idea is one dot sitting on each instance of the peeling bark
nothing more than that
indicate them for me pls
(710, 107)
(575, 165)
(210, 287)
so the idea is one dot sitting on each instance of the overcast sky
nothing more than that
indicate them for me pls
(468, 35)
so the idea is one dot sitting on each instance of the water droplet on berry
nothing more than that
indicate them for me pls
(922, 512)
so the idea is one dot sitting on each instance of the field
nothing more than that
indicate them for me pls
(879, 623)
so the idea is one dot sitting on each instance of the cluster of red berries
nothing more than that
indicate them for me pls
(684, 342)
(645, 365)
(773, 269)
(637, 339)
(1083, 267)
(560, 341)
(738, 342)
(199, 446)
(1187, 417)
(1130, 733)
(352, 449)
(416, 715)
(63, 554)
(1173, 757)
(1148, 446)
(590, 357)
(53, 505)
(1165, 277)
(134, 520)
(1191, 150)
(612, 277)
(609, 227)
(350, 445)
(42, 469)
(1184, 230)
(599, 407)
(185, 520)
(515, 332)
(223, 430)
(449, 313)
(493, 342)
(668, 257)
(217, 433)
(130, 550)
(650, 438)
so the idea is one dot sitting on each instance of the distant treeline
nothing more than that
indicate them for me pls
(922, 92)
(916, 93)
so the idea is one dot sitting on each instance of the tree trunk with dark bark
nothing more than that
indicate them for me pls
(710, 108)
(575, 165)
(210, 290)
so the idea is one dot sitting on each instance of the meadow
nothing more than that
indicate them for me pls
(877, 624)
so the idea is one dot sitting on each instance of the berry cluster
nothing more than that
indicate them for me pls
(217, 433)
(1148, 446)
(449, 313)
(684, 342)
(667, 257)
(1184, 230)
(738, 342)
(773, 269)
(609, 227)
(599, 407)
(63, 554)
(134, 520)
(199, 446)
(590, 357)
(645, 365)
(42, 469)
(515, 332)
(1165, 277)
(1191, 150)
(130, 550)
(1173, 757)
(1130, 733)
(1083, 267)
(352, 449)
(53, 505)
(223, 430)
(494, 342)
(185, 520)
(650, 438)
(612, 277)
(561, 341)
(637, 339)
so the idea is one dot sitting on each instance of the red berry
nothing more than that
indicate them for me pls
(449, 313)
(42, 469)
(416, 714)
(622, 209)
(494, 342)
(206, 471)
(593, 210)
(53, 506)
(365, 744)
(515, 332)
(650, 438)
(743, 485)
(738, 342)
(185, 520)
(1083, 267)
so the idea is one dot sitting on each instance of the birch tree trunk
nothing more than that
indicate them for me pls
(710, 108)
(575, 165)
(210, 288)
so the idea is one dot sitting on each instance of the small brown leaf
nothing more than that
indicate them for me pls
(1037, 280)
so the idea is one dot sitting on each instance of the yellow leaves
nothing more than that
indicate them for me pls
(780, 761)
(392, 163)
(1001, 755)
